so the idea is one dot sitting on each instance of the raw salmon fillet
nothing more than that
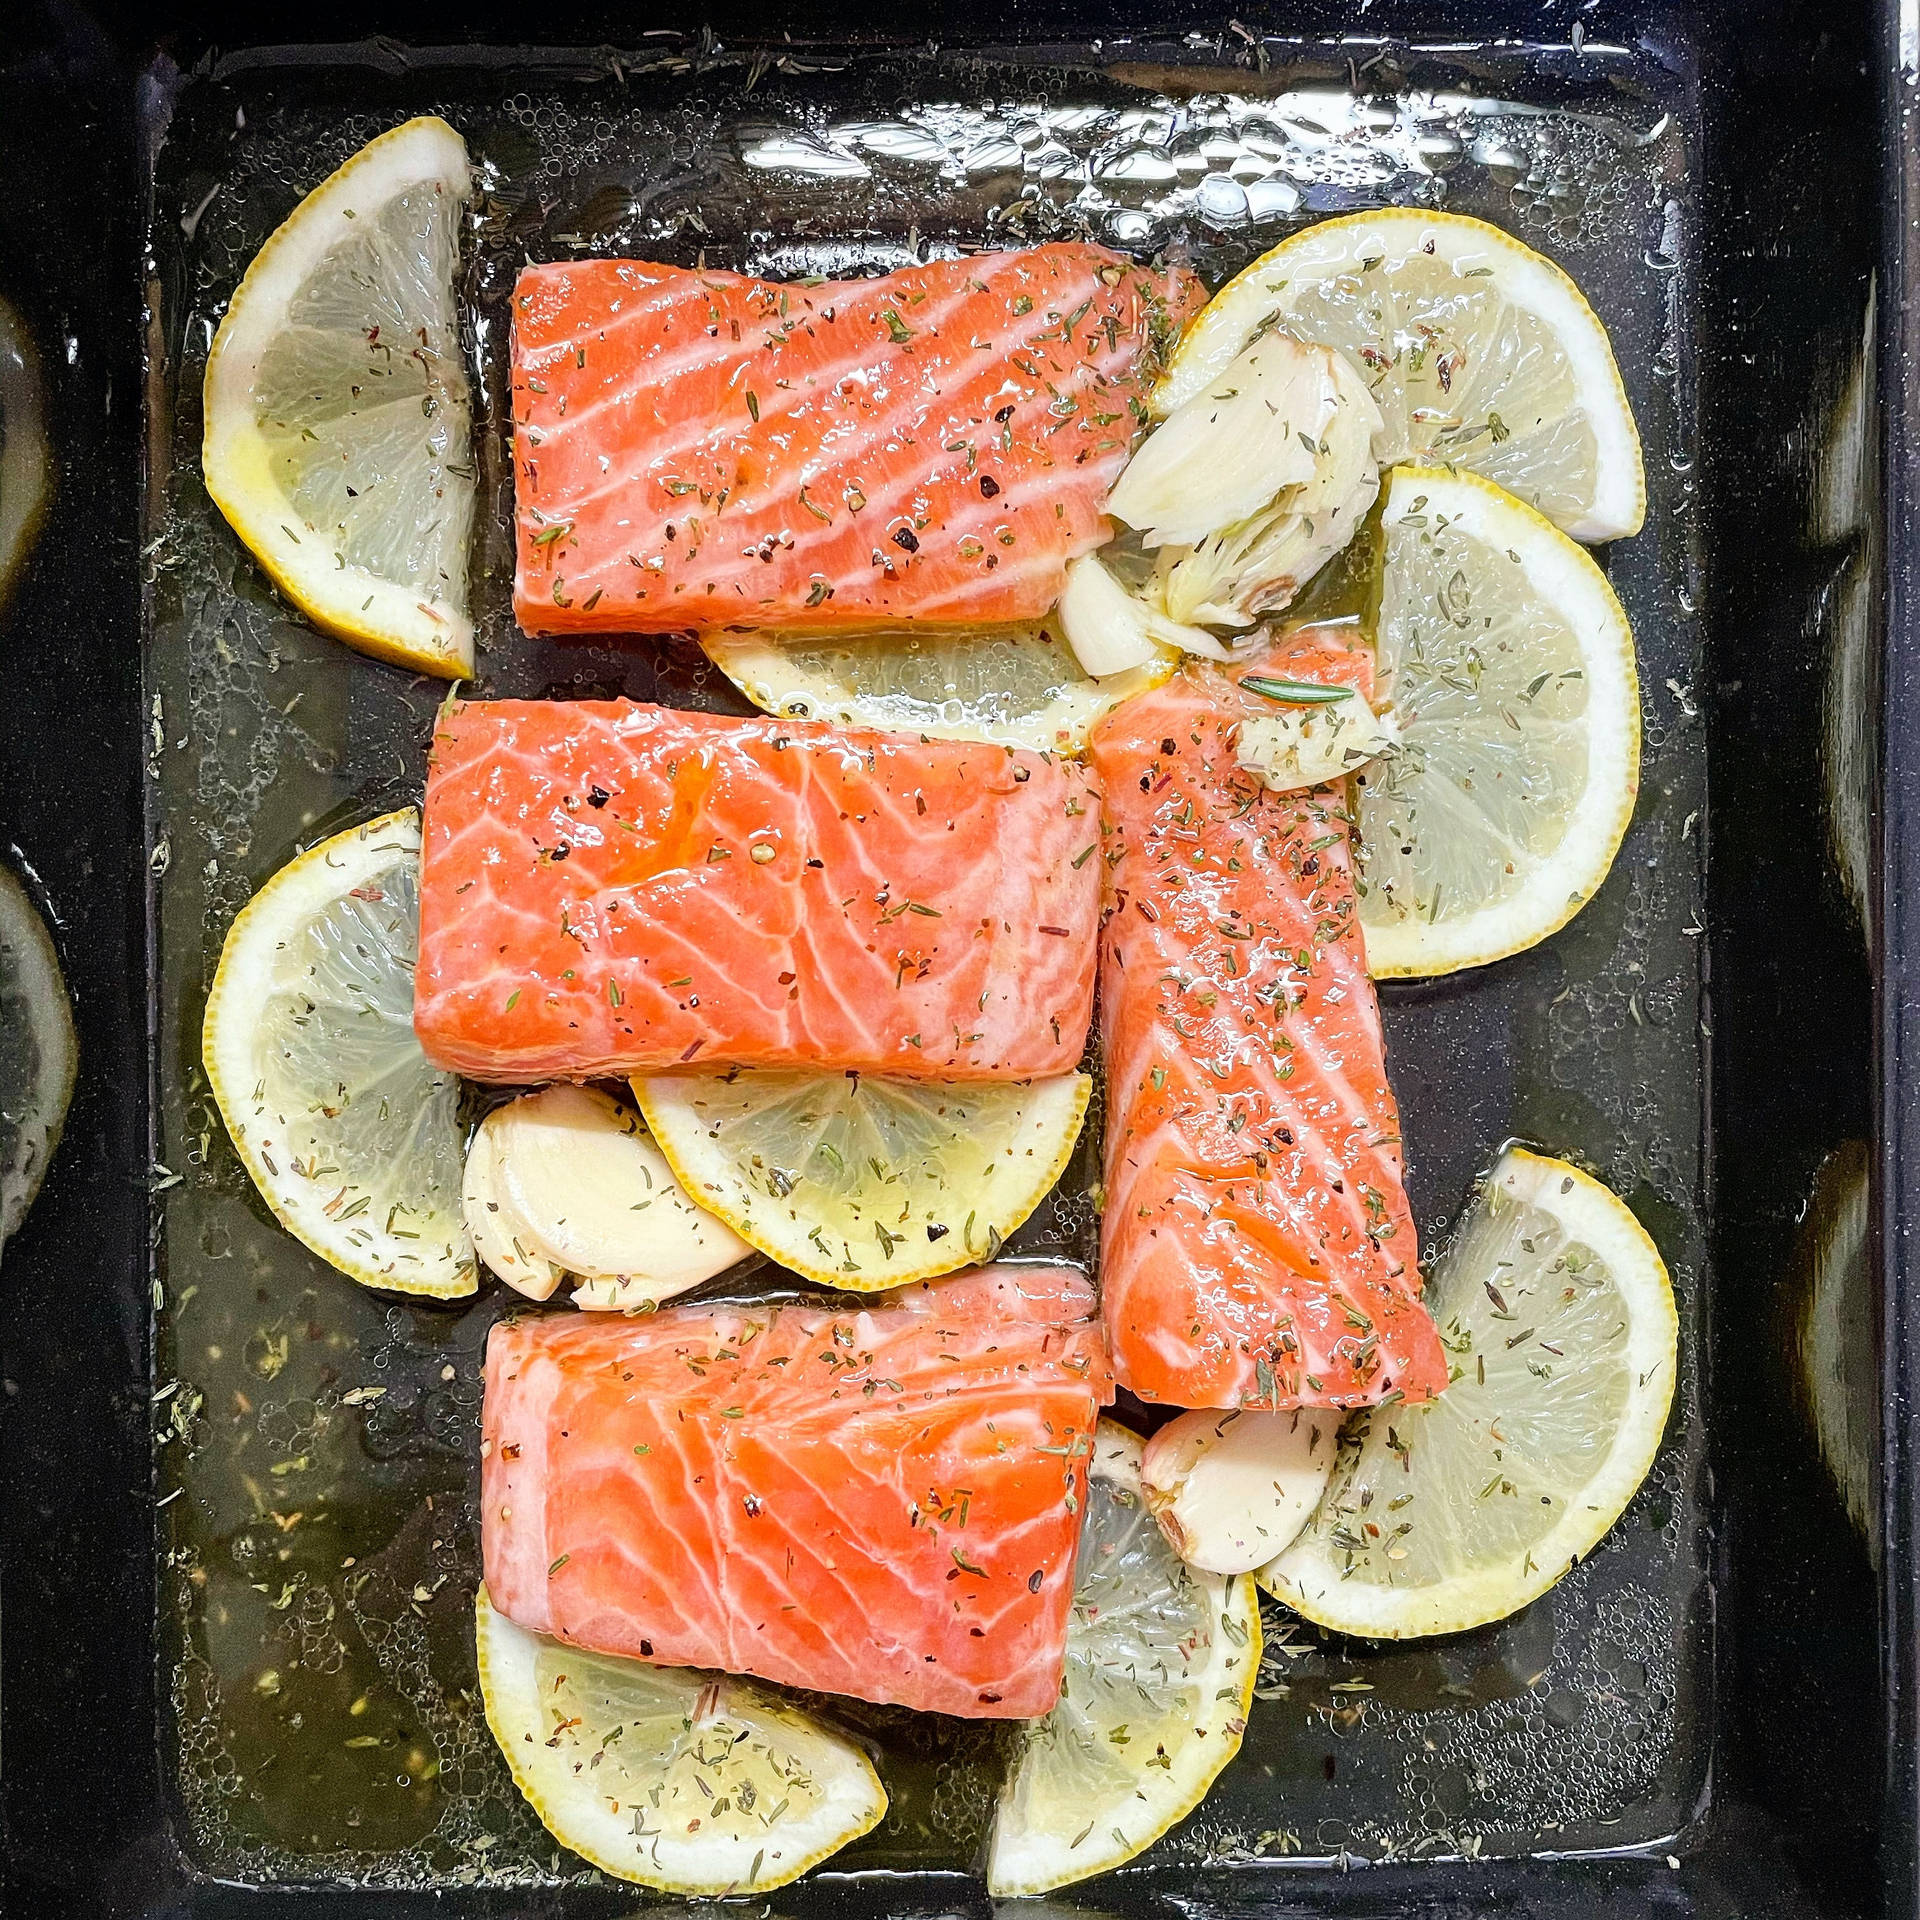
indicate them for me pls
(696, 449)
(883, 1502)
(1256, 1247)
(609, 888)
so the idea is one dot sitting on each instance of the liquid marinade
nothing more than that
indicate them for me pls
(316, 1444)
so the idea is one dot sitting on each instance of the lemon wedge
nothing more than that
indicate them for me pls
(1509, 670)
(1015, 687)
(338, 430)
(1161, 1662)
(696, 1783)
(1479, 352)
(859, 1181)
(351, 1136)
(1559, 1323)
(38, 1052)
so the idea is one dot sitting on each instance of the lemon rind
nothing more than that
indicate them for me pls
(1118, 1448)
(1218, 332)
(225, 1043)
(709, 1184)
(1308, 1578)
(1409, 947)
(499, 1643)
(398, 625)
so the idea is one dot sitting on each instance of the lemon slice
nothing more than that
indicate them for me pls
(37, 1052)
(1480, 353)
(859, 1181)
(338, 431)
(696, 1783)
(353, 1139)
(25, 465)
(1016, 687)
(1161, 1662)
(1509, 670)
(1560, 1328)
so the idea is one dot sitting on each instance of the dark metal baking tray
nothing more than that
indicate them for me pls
(1694, 1722)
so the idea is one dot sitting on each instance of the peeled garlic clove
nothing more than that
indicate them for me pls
(616, 1296)
(498, 1235)
(1232, 1490)
(1306, 746)
(596, 1197)
(1252, 486)
(1113, 631)
(1286, 421)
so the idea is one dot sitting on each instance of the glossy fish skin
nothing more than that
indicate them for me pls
(1256, 1246)
(701, 449)
(609, 887)
(883, 1501)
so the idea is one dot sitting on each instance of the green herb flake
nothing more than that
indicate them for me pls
(1300, 693)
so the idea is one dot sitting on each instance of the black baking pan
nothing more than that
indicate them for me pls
(1717, 1714)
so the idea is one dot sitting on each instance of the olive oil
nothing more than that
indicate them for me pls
(316, 1445)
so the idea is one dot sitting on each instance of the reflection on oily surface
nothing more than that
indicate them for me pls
(25, 468)
(1846, 532)
(1833, 1335)
(37, 1052)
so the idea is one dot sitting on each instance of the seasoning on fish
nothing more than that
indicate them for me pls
(701, 449)
(1256, 1248)
(884, 1502)
(610, 888)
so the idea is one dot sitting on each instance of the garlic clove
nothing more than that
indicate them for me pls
(1110, 630)
(1307, 746)
(1285, 421)
(625, 1295)
(499, 1236)
(1251, 487)
(596, 1197)
(1231, 1490)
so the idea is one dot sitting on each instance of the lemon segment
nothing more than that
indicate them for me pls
(38, 1052)
(1561, 1333)
(1508, 667)
(1015, 687)
(859, 1181)
(338, 426)
(695, 1783)
(352, 1137)
(1161, 1662)
(1479, 352)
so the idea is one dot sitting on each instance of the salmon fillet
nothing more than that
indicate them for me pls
(1256, 1247)
(609, 888)
(884, 1501)
(696, 449)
